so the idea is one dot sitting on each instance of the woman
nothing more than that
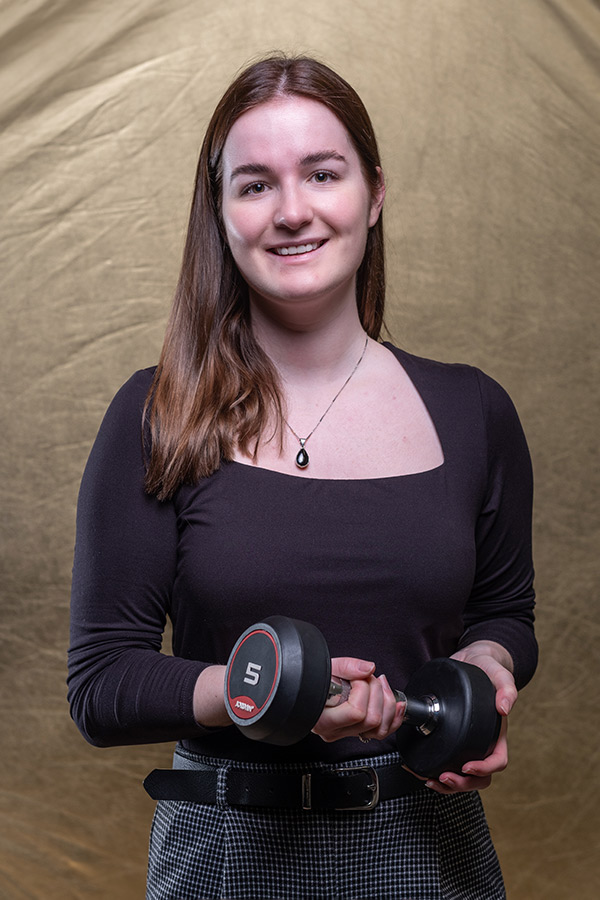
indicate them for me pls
(293, 464)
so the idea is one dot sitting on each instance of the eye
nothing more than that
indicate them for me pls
(323, 177)
(258, 187)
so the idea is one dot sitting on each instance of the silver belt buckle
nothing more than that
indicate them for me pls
(374, 787)
(371, 802)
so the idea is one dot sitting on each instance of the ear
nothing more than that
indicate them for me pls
(377, 198)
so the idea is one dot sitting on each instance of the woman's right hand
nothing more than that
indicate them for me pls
(371, 711)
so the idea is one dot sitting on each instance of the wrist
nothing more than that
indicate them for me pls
(208, 702)
(491, 649)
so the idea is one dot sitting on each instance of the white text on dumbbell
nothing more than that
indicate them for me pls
(247, 707)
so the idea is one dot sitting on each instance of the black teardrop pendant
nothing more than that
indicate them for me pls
(302, 459)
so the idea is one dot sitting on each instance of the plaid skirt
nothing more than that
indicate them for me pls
(422, 846)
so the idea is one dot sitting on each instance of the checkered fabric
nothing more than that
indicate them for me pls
(423, 846)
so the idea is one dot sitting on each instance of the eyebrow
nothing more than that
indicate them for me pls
(310, 159)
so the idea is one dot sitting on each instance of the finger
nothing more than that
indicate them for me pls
(393, 712)
(371, 710)
(352, 713)
(390, 711)
(360, 715)
(400, 712)
(476, 775)
(371, 725)
(506, 697)
(498, 673)
(497, 761)
(344, 719)
(504, 682)
(338, 722)
(350, 668)
(450, 783)
(388, 708)
(506, 691)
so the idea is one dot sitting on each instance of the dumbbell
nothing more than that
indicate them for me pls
(278, 681)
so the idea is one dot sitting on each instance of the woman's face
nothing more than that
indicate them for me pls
(296, 209)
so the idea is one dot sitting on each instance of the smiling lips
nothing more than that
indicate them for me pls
(297, 250)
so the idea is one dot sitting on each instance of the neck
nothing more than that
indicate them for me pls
(318, 355)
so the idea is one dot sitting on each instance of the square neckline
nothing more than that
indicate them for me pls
(396, 353)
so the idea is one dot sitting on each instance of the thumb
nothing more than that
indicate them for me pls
(350, 668)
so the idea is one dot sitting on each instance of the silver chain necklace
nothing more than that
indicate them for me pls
(302, 457)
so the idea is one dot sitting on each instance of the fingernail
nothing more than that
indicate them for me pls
(467, 770)
(505, 707)
(429, 784)
(449, 782)
(365, 667)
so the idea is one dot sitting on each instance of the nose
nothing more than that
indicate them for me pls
(293, 209)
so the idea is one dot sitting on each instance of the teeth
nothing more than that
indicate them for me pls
(294, 251)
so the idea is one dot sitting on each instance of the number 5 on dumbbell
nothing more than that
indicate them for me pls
(278, 681)
(252, 673)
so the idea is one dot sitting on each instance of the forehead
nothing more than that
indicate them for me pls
(289, 128)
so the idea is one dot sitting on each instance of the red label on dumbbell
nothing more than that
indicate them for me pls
(244, 707)
(252, 673)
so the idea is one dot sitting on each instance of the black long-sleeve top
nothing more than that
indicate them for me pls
(398, 570)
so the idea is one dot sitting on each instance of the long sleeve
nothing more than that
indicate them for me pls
(122, 688)
(501, 604)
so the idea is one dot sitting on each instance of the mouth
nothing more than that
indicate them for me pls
(297, 249)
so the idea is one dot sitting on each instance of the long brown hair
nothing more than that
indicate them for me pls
(214, 388)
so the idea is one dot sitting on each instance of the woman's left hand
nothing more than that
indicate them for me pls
(497, 663)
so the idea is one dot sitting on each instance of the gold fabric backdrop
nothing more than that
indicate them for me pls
(488, 118)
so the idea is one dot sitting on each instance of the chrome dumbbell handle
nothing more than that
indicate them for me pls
(422, 712)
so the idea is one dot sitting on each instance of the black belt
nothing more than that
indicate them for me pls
(356, 788)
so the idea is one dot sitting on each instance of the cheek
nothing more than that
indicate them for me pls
(242, 224)
(231, 225)
(353, 213)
